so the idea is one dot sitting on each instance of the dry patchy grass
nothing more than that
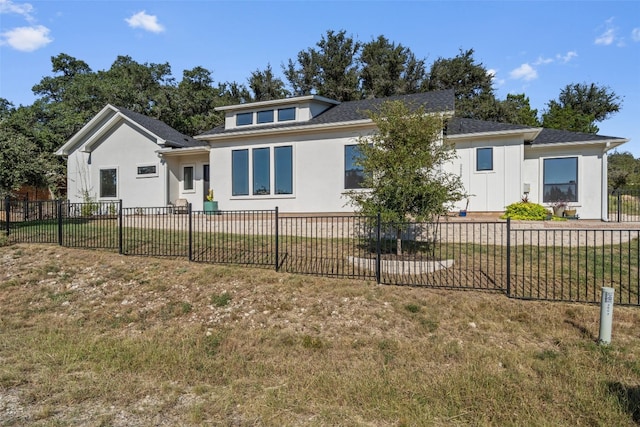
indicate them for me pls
(93, 338)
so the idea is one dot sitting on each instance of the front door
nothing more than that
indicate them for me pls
(205, 178)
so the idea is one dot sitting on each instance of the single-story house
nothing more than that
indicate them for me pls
(298, 154)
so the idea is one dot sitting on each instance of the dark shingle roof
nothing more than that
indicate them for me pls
(442, 100)
(173, 138)
(556, 136)
(462, 126)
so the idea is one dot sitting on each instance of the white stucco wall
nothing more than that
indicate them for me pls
(175, 169)
(124, 148)
(318, 173)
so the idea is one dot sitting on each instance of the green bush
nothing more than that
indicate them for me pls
(526, 211)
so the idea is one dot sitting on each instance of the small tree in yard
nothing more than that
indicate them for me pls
(403, 163)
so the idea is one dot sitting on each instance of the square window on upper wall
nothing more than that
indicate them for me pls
(243, 119)
(265, 116)
(286, 114)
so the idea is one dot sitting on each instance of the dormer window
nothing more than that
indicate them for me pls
(243, 119)
(286, 114)
(265, 116)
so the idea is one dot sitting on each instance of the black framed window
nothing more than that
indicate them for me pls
(243, 119)
(261, 172)
(240, 173)
(285, 114)
(187, 177)
(147, 170)
(108, 183)
(353, 173)
(560, 180)
(484, 159)
(283, 168)
(265, 116)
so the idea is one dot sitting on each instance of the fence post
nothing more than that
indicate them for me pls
(378, 249)
(25, 208)
(277, 242)
(619, 205)
(120, 249)
(189, 212)
(59, 209)
(7, 212)
(508, 257)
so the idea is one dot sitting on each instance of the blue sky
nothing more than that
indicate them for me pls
(535, 47)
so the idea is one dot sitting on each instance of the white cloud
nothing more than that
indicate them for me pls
(146, 22)
(606, 38)
(567, 56)
(609, 35)
(524, 72)
(23, 9)
(635, 34)
(26, 39)
(543, 61)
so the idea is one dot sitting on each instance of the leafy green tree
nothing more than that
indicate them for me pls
(22, 162)
(623, 170)
(403, 162)
(389, 69)
(470, 80)
(331, 70)
(516, 109)
(265, 86)
(566, 118)
(580, 106)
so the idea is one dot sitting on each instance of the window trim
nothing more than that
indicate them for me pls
(287, 109)
(238, 115)
(577, 182)
(146, 175)
(106, 168)
(484, 149)
(275, 176)
(193, 178)
(259, 121)
(344, 169)
(272, 173)
(248, 175)
(254, 152)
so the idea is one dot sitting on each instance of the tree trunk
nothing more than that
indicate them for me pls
(398, 241)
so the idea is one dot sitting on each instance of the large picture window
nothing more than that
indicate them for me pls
(283, 168)
(108, 183)
(484, 159)
(261, 172)
(240, 173)
(560, 180)
(187, 178)
(353, 173)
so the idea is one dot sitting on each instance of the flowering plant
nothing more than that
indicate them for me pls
(210, 195)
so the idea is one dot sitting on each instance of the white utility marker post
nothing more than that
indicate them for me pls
(606, 315)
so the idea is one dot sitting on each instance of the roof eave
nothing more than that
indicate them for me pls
(609, 143)
(529, 134)
(285, 130)
(273, 102)
(169, 152)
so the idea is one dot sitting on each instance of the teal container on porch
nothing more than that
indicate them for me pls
(210, 207)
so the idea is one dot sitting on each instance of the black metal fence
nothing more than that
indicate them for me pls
(561, 264)
(624, 205)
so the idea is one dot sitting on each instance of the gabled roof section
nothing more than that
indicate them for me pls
(458, 128)
(557, 136)
(171, 137)
(111, 116)
(351, 112)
